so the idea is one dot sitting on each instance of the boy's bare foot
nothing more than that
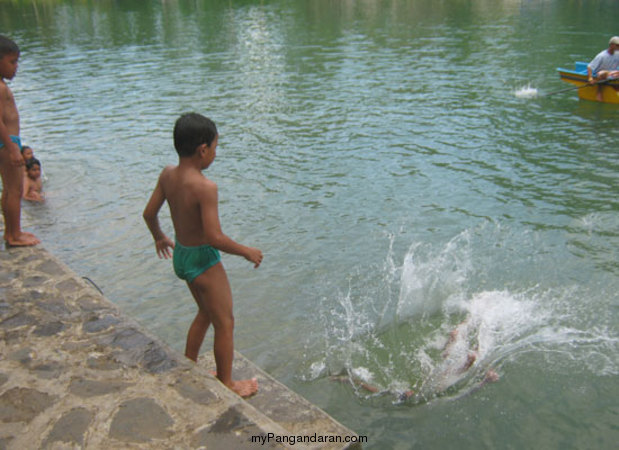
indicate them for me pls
(491, 376)
(23, 240)
(245, 388)
(470, 359)
(25, 233)
(453, 334)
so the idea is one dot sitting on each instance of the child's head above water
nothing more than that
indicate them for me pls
(33, 168)
(192, 130)
(27, 153)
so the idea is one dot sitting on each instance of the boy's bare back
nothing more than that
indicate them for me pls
(191, 197)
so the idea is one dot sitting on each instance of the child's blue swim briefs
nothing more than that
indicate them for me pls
(15, 139)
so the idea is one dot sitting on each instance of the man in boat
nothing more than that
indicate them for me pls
(605, 65)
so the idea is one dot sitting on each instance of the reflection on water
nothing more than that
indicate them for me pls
(378, 155)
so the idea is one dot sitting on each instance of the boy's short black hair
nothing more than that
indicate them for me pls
(7, 46)
(192, 130)
(32, 162)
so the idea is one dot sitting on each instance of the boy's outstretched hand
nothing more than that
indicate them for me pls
(254, 255)
(164, 246)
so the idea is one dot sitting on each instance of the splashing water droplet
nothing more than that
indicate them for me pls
(526, 92)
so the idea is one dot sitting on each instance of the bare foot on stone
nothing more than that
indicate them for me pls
(245, 388)
(25, 239)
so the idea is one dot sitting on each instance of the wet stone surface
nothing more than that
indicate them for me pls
(71, 427)
(76, 373)
(96, 324)
(23, 404)
(92, 388)
(140, 420)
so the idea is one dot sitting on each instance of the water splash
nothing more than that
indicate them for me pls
(495, 324)
(526, 92)
(430, 280)
(449, 317)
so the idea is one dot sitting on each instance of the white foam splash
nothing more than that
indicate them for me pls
(430, 278)
(495, 322)
(404, 341)
(317, 369)
(362, 373)
(526, 92)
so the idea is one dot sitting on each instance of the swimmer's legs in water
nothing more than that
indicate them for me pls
(491, 375)
(370, 388)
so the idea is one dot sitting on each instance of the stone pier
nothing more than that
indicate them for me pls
(77, 373)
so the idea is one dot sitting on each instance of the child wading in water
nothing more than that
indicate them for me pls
(11, 160)
(193, 203)
(33, 185)
(27, 153)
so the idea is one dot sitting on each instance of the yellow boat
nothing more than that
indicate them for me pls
(578, 77)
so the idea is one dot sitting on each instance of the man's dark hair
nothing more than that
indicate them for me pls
(192, 130)
(7, 46)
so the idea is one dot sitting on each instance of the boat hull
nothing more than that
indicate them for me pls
(578, 77)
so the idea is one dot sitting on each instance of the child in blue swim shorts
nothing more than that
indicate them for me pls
(11, 161)
(193, 203)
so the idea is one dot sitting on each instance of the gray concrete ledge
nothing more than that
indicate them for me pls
(76, 373)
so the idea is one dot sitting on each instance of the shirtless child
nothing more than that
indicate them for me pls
(33, 186)
(11, 160)
(193, 203)
(27, 153)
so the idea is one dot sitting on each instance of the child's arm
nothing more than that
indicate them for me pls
(26, 190)
(34, 197)
(30, 191)
(212, 228)
(163, 244)
(5, 137)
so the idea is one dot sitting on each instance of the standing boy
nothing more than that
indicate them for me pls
(193, 203)
(11, 160)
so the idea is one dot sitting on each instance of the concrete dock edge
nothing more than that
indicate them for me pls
(75, 372)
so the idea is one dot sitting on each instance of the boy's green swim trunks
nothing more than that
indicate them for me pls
(189, 262)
